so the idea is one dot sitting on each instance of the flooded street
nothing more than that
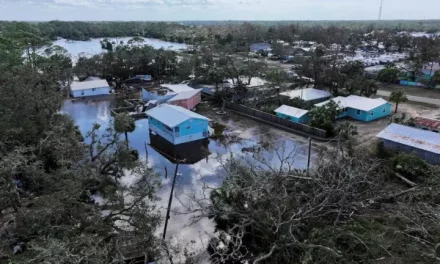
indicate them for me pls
(206, 169)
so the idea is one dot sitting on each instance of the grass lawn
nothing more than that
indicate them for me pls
(411, 90)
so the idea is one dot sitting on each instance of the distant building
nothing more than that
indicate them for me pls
(258, 47)
(310, 95)
(90, 88)
(92, 78)
(177, 125)
(361, 108)
(427, 124)
(293, 114)
(165, 92)
(425, 144)
(187, 99)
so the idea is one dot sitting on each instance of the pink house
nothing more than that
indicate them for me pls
(187, 99)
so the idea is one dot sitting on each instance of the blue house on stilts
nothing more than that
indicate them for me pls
(177, 125)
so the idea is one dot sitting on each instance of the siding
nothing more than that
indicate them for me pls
(189, 103)
(91, 92)
(303, 119)
(429, 157)
(190, 130)
(365, 116)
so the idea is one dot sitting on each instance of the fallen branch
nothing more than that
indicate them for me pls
(405, 180)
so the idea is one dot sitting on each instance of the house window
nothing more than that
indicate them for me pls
(82, 92)
(372, 113)
(188, 127)
(384, 110)
(177, 129)
(358, 112)
(93, 89)
(345, 110)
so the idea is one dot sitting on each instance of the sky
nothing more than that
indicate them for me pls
(178, 10)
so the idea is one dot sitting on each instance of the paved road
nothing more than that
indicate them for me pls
(413, 98)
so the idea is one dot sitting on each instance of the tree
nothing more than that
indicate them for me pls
(388, 75)
(323, 117)
(60, 198)
(398, 97)
(124, 123)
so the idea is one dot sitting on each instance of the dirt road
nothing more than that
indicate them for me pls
(413, 98)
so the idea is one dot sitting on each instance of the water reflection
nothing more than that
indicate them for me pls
(205, 159)
(188, 153)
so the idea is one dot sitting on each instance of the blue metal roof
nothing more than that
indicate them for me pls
(173, 115)
(413, 137)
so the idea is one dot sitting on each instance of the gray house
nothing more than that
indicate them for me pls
(257, 47)
(423, 143)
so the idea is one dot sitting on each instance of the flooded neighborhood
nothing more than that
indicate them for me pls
(278, 132)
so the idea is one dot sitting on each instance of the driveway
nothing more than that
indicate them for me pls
(413, 98)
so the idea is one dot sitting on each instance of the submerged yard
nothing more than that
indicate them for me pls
(243, 138)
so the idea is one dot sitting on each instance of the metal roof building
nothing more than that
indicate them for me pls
(425, 144)
(356, 102)
(177, 88)
(291, 111)
(172, 115)
(185, 95)
(308, 94)
(427, 123)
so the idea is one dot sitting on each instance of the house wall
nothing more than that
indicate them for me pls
(303, 119)
(91, 92)
(190, 130)
(189, 103)
(378, 112)
(159, 128)
(429, 157)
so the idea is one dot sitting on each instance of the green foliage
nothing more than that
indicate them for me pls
(410, 166)
(388, 75)
(51, 180)
(398, 97)
(324, 117)
(124, 123)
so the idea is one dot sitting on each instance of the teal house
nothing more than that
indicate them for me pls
(361, 108)
(177, 125)
(293, 114)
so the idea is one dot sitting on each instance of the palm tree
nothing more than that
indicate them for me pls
(398, 97)
(124, 124)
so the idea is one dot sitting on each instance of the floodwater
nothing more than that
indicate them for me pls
(93, 46)
(205, 170)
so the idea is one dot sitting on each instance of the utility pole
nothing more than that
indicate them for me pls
(380, 10)
(309, 155)
(170, 200)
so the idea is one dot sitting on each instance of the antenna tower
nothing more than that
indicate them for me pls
(380, 10)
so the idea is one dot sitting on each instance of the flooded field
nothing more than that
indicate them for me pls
(93, 46)
(205, 161)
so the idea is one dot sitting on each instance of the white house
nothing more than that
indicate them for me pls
(90, 88)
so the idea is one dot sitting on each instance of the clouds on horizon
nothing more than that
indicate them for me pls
(216, 9)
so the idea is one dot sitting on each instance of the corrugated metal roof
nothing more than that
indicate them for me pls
(356, 102)
(291, 111)
(173, 115)
(308, 94)
(75, 86)
(185, 95)
(177, 88)
(427, 122)
(410, 136)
